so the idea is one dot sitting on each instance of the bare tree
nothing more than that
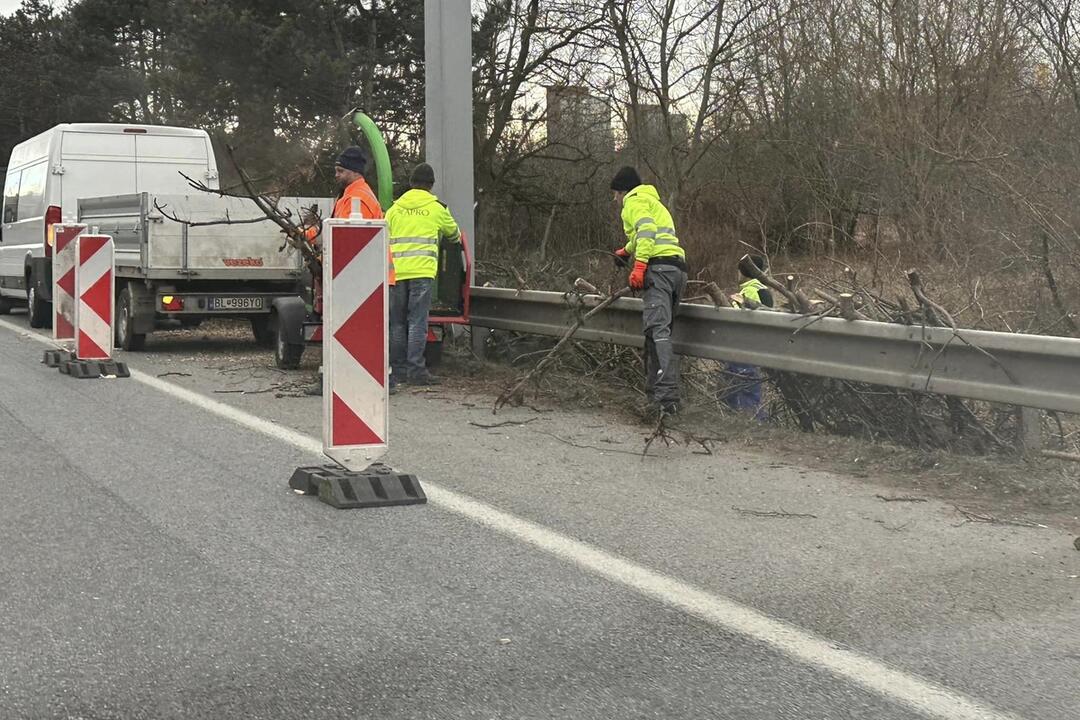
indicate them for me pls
(678, 69)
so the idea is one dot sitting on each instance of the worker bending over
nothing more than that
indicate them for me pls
(742, 383)
(659, 268)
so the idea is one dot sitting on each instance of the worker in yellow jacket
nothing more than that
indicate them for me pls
(741, 384)
(417, 223)
(659, 268)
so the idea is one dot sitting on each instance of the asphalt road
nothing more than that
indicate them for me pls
(154, 564)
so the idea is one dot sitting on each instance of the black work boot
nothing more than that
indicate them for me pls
(656, 411)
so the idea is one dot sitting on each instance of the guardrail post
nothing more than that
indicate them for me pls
(479, 337)
(1029, 430)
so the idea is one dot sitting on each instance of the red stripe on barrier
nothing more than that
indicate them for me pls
(66, 234)
(362, 335)
(90, 244)
(67, 283)
(89, 350)
(97, 297)
(64, 329)
(348, 242)
(349, 429)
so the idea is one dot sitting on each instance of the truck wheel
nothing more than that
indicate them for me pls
(37, 309)
(286, 355)
(126, 337)
(433, 354)
(263, 330)
(5, 306)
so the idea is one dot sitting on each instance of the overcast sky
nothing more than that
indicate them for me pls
(7, 6)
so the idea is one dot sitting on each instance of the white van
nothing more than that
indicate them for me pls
(49, 173)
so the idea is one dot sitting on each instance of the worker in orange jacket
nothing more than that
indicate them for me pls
(349, 175)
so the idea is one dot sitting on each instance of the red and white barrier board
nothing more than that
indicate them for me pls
(94, 289)
(355, 342)
(63, 271)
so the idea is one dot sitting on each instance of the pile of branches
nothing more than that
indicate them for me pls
(905, 417)
(910, 418)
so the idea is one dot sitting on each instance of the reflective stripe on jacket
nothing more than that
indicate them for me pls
(417, 221)
(649, 227)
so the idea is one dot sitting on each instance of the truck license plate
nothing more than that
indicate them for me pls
(236, 303)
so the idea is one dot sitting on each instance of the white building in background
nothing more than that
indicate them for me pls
(648, 128)
(578, 123)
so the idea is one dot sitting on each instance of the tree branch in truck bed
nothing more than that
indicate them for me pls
(267, 203)
(224, 221)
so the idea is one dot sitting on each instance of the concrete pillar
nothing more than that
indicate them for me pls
(449, 118)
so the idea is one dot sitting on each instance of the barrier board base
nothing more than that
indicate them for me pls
(55, 358)
(378, 486)
(305, 480)
(90, 369)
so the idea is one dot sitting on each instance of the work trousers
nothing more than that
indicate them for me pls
(741, 389)
(664, 287)
(410, 303)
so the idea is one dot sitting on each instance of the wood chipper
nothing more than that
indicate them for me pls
(295, 323)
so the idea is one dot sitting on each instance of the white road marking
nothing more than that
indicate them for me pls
(927, 697)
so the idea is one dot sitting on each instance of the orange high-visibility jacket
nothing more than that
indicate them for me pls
(369, 208)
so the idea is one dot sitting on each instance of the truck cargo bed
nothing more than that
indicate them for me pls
(196, 237)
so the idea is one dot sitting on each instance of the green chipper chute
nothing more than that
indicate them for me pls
(448, 292)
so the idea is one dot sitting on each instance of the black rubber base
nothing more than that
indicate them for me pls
(89, 369)
(378, 486)
(306, 479)
(54, 358)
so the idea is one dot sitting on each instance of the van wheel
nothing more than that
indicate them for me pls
(38, 310)
(5, 306)
(286, 355)
(262, 329)
(126, 337)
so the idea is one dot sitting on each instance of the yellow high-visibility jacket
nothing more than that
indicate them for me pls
(416, 223)
(751, 290)
(650, 230)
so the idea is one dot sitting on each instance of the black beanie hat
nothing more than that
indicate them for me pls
(423, 176)
(625, 180)
(352, 158)
(759, 261)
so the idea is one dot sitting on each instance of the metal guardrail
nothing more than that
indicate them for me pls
(1028, 370)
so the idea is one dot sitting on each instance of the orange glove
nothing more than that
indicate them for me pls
(622, 258)
(637, 276)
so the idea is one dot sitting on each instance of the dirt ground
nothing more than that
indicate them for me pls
(992, 489)
(1002, 489)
